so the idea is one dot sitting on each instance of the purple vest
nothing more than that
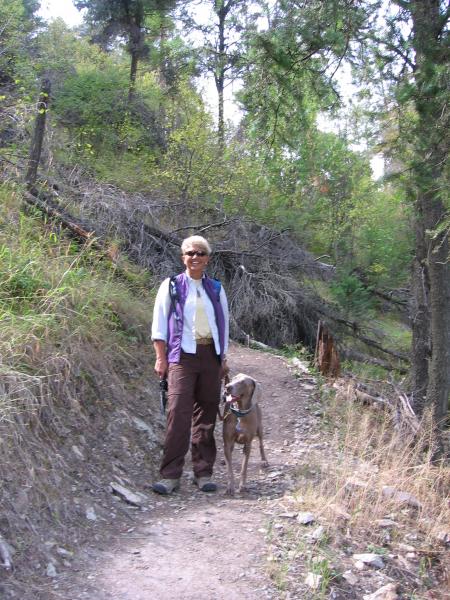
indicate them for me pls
(175, 324)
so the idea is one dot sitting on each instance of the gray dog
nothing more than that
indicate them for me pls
(242, 421)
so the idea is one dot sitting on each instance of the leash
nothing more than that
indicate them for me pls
(226, 381)
(163, 394)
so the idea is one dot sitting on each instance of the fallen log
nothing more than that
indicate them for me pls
(350, 354)
(366, 398)
(388, 297)
(398, 405)
(374, 344)
(244, 338)
(385, 295)
(80, 229)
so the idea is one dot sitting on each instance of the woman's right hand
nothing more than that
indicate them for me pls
(161, 367)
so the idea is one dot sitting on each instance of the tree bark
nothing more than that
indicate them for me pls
(222, 10)
(135, 45)
(326, 357)
(420, 320)
(431, 152)
(38, 135)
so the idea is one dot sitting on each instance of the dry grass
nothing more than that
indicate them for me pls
(68, 328)
(345, 487)
(375, 454)
(372, 461)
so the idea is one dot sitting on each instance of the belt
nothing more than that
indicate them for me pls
(204, 341)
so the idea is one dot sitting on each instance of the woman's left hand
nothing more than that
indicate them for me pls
(225, 369)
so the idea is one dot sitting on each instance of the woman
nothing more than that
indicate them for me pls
(190, 337)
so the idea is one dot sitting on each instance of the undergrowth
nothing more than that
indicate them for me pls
(397, 334)
(376, 490)
(51, 287)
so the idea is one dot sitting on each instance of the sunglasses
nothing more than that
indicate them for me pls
(195, 253)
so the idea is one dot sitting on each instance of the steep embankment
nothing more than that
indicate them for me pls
(74, 389)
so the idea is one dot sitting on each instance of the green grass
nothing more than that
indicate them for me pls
(51, 287)
(366, 371)
(322, 289)
(296, 351)
(397, 334)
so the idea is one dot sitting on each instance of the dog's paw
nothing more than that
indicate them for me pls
(264, 464)
(242, 489)
(229, 491)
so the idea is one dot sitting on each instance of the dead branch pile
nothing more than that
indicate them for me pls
(265, 272)
(261, 269)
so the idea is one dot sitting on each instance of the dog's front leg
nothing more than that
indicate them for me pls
(264, 463)
(228, 451)
(243, 477)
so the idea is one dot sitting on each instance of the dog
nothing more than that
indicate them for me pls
(241, 422)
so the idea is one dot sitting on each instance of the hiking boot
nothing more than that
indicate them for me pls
(205, 484)
(166, 486)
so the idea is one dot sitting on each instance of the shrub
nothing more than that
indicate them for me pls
(352, 296)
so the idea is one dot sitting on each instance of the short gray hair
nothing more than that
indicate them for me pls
(196, 240)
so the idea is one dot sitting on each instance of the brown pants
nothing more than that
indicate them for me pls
(193, 399)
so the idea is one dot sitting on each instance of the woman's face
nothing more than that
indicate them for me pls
(195, 258)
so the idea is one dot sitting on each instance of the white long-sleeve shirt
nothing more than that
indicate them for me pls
(161, 316)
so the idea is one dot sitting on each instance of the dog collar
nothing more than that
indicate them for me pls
(241, 413)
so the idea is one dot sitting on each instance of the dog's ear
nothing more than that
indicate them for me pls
(257, 391)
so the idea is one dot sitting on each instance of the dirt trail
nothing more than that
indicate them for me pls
(200, 546)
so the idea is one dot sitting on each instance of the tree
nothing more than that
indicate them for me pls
(126, 18)
(223, 58)
(291, 66)
(429, 89)
(296, 59)
(288, 81)
(17, 21)
(223, 50)
(411, 50)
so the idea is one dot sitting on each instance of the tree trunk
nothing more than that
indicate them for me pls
(439, 270)
(431, 151)
(135, 47)
(133, 73)
(38, 135)
(420, 320)
(222, 11)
